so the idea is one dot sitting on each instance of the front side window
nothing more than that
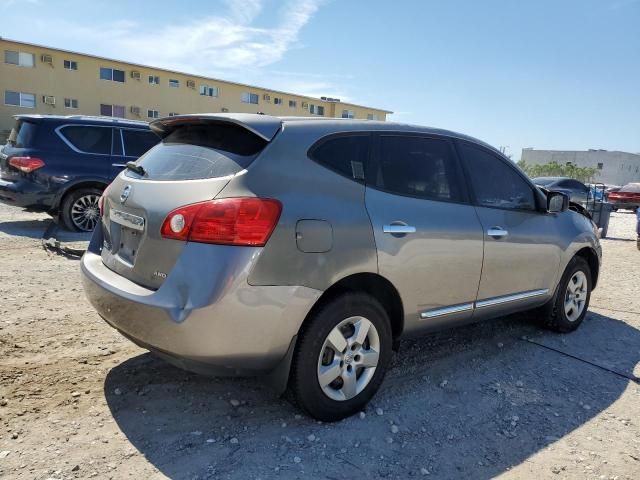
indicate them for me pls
(247, 97)
(137, 142)
(89, 139)
(415, 166)
(70, 65)
(174, 83)
(22, 59)
(19, 99)
(496, 184)
(346, 155)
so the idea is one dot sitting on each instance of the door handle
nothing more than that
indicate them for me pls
(497, 232)
(398, 229)
(119, 165)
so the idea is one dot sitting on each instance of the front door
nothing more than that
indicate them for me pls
(429, 239)
(521, 252)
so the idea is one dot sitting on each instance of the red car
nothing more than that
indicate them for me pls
(627, 197)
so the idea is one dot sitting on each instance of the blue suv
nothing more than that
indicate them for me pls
(62, 164)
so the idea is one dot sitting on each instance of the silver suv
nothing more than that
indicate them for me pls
(303, 249)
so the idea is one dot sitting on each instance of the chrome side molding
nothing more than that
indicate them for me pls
(439, 312)
(489, 302)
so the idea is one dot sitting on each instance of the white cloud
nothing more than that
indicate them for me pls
(206, 46)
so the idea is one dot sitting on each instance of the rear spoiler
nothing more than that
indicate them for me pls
(264, 126)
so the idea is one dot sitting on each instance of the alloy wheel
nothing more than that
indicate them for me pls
(85, 212)
(348, 358)
(576, 296)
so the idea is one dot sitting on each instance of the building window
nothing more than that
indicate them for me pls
(372, 116)
(600, 166)
(112, 74)
(316, 110)
(112, 110)
(21, 59)
(293, 104)
(174, 83)
(249, 98)
(70, 103)
(70, 65)
(277, 101)
(153, 114)
(348, 114)
(208, 91)
(19, 99)
(173, 114)
(154, 80)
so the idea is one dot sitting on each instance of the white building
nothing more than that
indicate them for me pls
(615, 168)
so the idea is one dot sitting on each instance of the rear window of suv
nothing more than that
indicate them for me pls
(23, 135)
(193, 152)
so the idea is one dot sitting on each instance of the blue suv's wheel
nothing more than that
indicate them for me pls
(80, 211)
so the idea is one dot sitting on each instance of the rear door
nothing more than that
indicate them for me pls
(94, 143)
(522, 242)
(428, 236)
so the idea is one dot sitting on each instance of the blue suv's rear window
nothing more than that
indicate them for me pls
(23, 134)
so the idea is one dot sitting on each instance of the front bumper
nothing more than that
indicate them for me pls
(204, 324)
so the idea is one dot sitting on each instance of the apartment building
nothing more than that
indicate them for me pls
(44, 80)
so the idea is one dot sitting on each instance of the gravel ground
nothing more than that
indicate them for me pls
(501, 398)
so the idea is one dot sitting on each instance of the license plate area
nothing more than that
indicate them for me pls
(125, 235)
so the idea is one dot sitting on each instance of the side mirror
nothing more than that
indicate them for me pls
(557, 202)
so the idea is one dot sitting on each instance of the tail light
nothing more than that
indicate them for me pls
(26, 164)
(102, 198)
(229, 221)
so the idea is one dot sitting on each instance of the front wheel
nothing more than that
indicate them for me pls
(566, 311)
(341, 357)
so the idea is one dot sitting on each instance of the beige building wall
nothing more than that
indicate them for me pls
(85, 86)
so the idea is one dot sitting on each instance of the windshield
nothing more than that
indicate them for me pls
(544, 181)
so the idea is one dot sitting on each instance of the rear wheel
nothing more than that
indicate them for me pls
(341, 357)
(80, 211)
(566, 311)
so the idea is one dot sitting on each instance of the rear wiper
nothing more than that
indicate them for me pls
(136, 168)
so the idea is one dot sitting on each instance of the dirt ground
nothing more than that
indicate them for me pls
(502, 398)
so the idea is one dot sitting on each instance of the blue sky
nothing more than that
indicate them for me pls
(561, 74)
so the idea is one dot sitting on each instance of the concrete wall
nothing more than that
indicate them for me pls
(615, 168)
(85, 86)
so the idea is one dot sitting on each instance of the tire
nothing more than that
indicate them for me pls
(77, 202)
(562, 313)
(316, 357)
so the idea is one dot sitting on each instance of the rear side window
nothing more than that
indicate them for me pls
(23, 135)
(416, 166)
(192, 152)
(137, 142)
(89, 139)
(346, 155)
(495, 183)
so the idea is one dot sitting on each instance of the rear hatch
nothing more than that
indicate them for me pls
(198, 156)
(21, 143)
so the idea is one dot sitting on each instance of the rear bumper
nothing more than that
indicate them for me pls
(217, 325)
(26, 195)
